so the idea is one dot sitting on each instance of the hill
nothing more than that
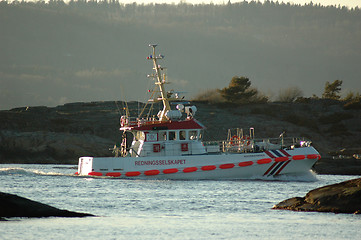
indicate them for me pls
(55, 53)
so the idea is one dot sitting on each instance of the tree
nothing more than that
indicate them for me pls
(238, 90)
(289, 94)
(332, 90)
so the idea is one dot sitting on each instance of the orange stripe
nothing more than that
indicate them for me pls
(245, 164)
(132, 174)
(190, 169)
(95, 174)
(226, 166)
(298, 157)
(281, 159)
(151, 172)
(208, 168)
(113, 174)
(312, 156)
(170, 170)
(264, 161)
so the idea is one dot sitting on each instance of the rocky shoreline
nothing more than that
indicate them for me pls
(344, 197)
(59, 135)
(16, 206)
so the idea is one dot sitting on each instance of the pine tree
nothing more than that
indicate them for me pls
(238, 90)
(332, 90)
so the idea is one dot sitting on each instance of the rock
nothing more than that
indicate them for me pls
(15, 206)
(344, 197)
(347, 166)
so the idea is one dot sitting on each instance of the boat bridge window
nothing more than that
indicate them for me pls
(172, 135)
(182, 135)
(163, 136)
(193, 135)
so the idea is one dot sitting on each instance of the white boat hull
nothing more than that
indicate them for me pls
(206, 166)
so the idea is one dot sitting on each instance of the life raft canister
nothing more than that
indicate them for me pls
(234, 140)
(245, 140)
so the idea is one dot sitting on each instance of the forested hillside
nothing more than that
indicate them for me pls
(56, 52)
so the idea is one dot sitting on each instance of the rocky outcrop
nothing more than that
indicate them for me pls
(50, 147)
(15, 206)
(343, 166)
(343, 197)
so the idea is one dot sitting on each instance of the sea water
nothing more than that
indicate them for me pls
(151, 209)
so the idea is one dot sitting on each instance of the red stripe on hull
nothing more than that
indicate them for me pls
(170, 170)
(190, 169)
(281, 159)
(312, 156)
(95, 174)
(208, 168)
(283, 166)
(285, 153)
(269, 169)
(151, 172)
(298, 157)
(245, 164)
(132, 174)
(113, 174)
(226, 166)
(264, 161)
(269, 154)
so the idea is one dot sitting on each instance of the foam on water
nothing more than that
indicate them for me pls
(25, 171)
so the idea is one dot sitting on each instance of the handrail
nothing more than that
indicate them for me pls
(259, 144)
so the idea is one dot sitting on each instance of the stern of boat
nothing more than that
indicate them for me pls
(85, 165)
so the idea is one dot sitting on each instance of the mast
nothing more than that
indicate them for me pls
(160, 82)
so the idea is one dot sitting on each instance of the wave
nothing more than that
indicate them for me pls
(28, 172)
(309, 176)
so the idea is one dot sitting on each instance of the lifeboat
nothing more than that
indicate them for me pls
(168, 144)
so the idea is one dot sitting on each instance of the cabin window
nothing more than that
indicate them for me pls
(163, 136)
(193, 135)
(172, 135)
(201, 134)
(151, 137)
(182, 135)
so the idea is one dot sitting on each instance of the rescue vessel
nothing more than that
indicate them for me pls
(170, 146)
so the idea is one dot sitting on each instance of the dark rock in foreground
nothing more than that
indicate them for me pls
(15, 206)
(344, 197)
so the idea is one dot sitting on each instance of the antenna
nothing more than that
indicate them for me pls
(160, 82)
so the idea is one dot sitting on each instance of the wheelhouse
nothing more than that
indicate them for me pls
(165, 138)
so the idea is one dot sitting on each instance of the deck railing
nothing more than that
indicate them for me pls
(255, 145)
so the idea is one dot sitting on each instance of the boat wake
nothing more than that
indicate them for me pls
(16, 171)
(309, 176)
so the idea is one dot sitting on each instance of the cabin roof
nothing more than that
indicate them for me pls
(168, 125)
